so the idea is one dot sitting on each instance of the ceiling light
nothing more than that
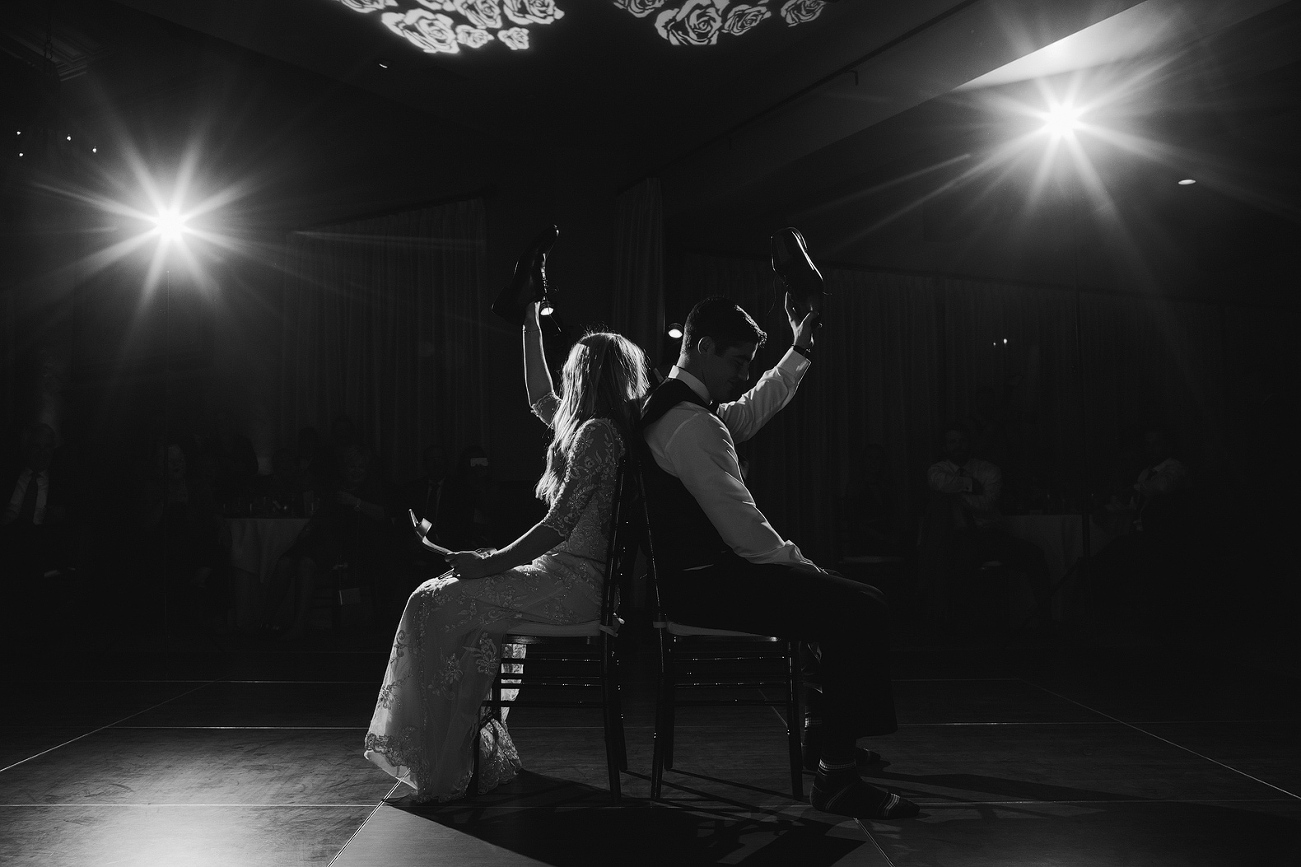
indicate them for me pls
(675, 330)
(546, 309)
(1062, 121)
(170, 224)
(69, 138)
(1186, 182)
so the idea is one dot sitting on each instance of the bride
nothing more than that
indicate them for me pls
(448, 643)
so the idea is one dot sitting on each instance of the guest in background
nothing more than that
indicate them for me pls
(1161, 482)
(181, 520)
(35, 509)
(281, 489)
(968, 489)
(1138, 574)
(348, 527)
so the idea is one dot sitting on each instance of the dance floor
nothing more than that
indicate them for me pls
(232, 752)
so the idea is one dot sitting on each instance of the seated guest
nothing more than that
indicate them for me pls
(722, 564)
(281, 487)
(968, 488)
(1160, 483)
(34, 506)
(348, 527)
(1138, 572)
(182, 523)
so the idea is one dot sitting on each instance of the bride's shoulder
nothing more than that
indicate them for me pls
(600, 434)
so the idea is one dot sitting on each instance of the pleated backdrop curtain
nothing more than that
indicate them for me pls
(382, 321)
(900, 356)
(637, 307)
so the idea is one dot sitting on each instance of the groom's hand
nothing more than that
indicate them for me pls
(802, 329)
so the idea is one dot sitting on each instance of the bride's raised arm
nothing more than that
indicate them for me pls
(537, 376)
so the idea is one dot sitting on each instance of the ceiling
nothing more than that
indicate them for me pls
(898, 134)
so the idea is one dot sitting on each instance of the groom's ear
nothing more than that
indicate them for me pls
(705, 346)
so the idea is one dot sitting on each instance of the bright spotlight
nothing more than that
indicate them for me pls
(1187, 182)
(1062, 121)
(170, 224)
(546, 309)
(675, 330)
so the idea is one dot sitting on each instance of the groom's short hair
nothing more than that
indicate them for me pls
(725, 321)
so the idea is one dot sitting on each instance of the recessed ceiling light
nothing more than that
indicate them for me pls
(69, 138)
(383, 65)
(1186, 182)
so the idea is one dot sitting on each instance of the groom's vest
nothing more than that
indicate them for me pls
(683, 535)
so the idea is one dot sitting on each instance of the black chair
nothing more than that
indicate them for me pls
(699, 658)
(576, 657)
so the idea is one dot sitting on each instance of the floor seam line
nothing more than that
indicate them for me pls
(1167, 741)
(107, 726)
(364, 822)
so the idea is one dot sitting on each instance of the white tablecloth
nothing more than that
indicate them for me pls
(257, 543)
(1061, 538)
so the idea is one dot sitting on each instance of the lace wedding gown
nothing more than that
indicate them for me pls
(448, 643)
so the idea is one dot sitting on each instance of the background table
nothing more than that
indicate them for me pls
(255, 544)
(1060, 537)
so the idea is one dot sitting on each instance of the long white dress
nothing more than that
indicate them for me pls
(449, 641)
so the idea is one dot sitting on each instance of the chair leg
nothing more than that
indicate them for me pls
(614, 700)
(662, 717)
(793, 720)
(612, 717)
(670, 702)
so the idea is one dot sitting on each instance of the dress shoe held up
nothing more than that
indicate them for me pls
(529, 282)
(791, 262)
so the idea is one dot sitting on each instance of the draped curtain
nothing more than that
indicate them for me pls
(899, 356)
(381, 321)
(637, 307)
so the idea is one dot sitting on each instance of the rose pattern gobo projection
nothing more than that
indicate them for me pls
(742, 17)
(429, 31)
(531, 11)
(484, 14)
(444, 26)
(368, 5)
(514, 38)
(697, 22)
(639, 8)
(801, 11)
(472, 37)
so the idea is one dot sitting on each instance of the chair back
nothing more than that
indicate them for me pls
(621, 552)
(646, 537)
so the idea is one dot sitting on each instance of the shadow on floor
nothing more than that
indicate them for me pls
(571, 825)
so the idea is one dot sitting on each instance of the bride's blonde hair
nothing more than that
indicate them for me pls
(604, 377)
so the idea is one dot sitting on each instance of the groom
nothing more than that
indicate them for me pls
(721, 564)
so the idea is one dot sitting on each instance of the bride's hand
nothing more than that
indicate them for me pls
(471, 565)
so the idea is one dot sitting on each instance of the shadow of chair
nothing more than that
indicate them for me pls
(699, 659)
(578, 657)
